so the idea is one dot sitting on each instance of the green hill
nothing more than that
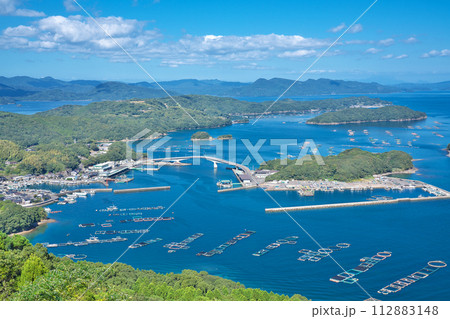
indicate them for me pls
(390, 113)
(201, 135)
(30, 273)
(349, 165)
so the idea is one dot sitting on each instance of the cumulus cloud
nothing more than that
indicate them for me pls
(78, 34)
(297, 54)
(356, 28)
(411, 40)
(372, 51)
(398, 57)
(9, 8)
(337, 28)
(71, 6)
(386, 42)
(436, 53)
(321, 71)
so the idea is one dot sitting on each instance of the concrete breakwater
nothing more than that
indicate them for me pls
(353, 204)
(236, 189)
(143, 189)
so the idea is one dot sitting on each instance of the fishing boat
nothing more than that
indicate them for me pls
(111, 208)
(92, 240)
(86, 225)
(106, 225)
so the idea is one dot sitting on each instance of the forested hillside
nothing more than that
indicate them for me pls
(15, 218)
(349, 165)
(390, 113)
(30, 273)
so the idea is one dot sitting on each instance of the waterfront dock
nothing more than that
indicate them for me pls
(353, 204)
(236, 189)
(140, 190)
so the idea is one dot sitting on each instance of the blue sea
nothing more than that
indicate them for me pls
(414, 233)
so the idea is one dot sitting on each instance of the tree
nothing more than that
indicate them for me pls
(32, 269)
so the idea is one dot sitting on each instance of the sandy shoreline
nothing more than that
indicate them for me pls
(42, 222)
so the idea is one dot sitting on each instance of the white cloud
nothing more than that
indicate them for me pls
(20, 31)
(9, 8)
(411, 40)
(71, 6)
(249, 66)
(398, 57)
(386, 42)
(297, 54)
(372, 51)
(356, 28)
(78, 34)
(321, 71)
(337, 28)
(435, 53)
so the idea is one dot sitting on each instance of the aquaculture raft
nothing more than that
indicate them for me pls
(174, 246)
(291, 240)
(145, 243)
(315, 256)
(89, 241)
(121, 232)
(423, 273)
(116, 209)
(348, 276)
(146, 219)
(221, 248)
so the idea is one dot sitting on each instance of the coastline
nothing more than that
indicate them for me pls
(42, 222)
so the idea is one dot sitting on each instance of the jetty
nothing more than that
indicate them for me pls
(140, 190)
(354, 204)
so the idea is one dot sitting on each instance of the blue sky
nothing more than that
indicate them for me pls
(395, 41)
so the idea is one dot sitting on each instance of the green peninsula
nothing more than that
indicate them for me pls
(349, 165)
(390, 113)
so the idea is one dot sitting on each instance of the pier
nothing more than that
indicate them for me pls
(354, 204)
(140, 190)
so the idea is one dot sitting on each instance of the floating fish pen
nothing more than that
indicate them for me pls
(115, 208)
(145, 243)
(184, 243)
(291, 240)
(146, 219)
(318, 255)
(221, 248)
(348, 276)
(89, 241)
(125, 214)
(121, 232)
(396, 286)
(86, 225)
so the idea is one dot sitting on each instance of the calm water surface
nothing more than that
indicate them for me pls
(414, 233)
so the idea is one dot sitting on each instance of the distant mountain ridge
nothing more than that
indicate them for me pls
(276, 86)
(49, 89)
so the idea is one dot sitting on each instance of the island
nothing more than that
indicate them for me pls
(349, 165)
(201, 135)
(448, 150)
(225, 137)
(390, 113)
